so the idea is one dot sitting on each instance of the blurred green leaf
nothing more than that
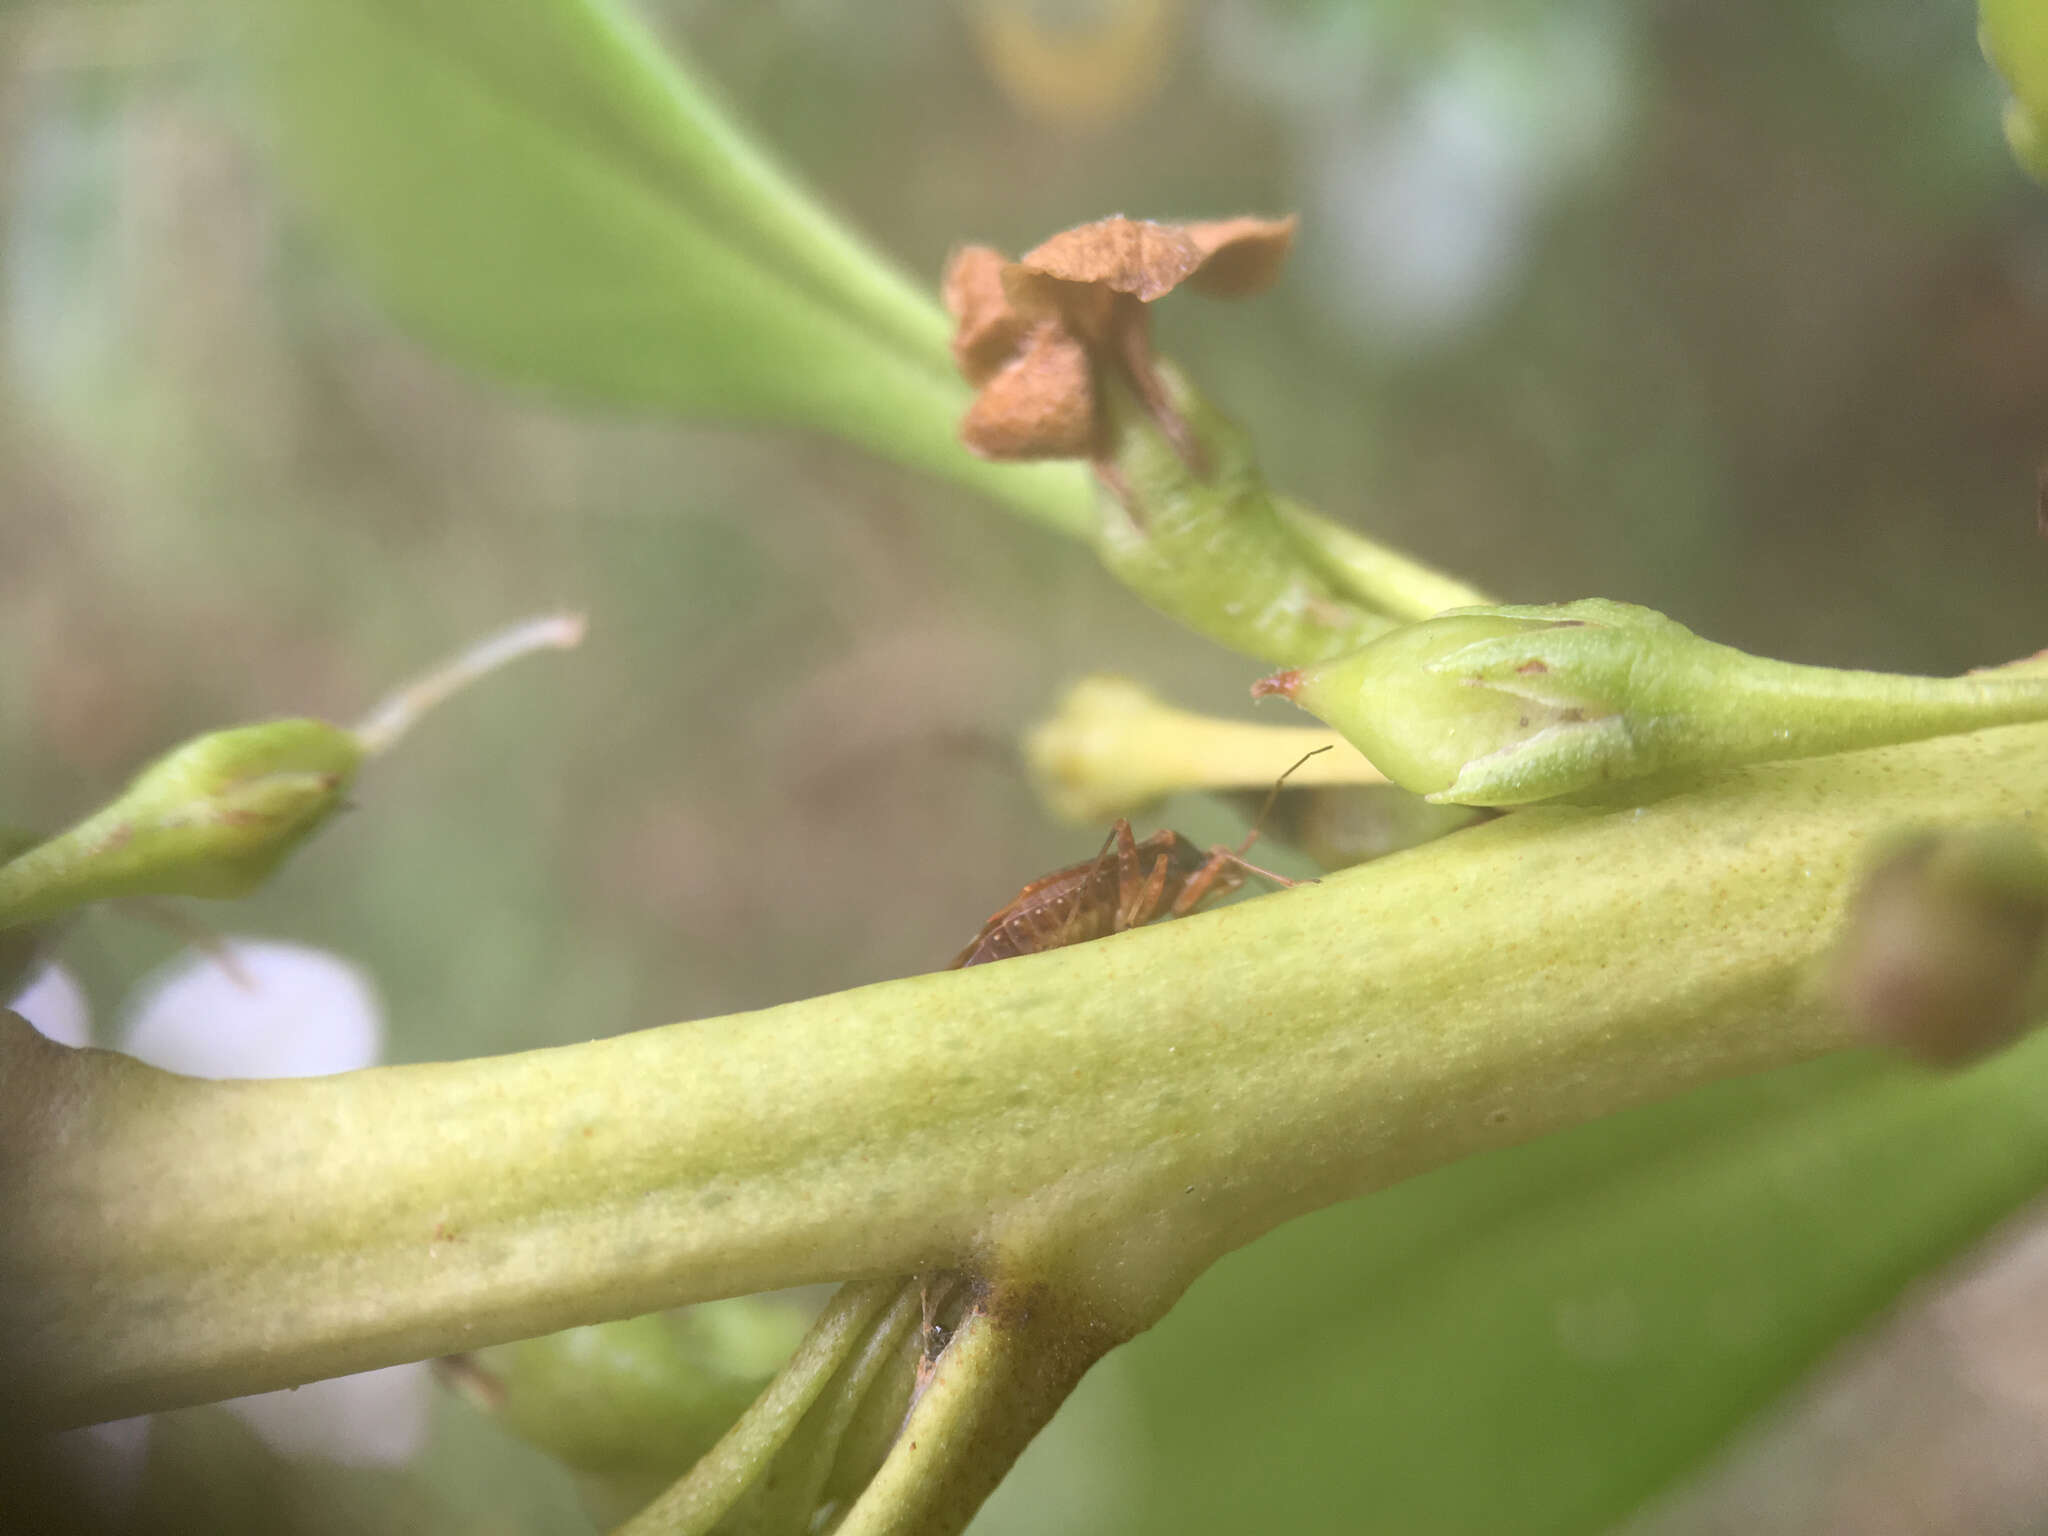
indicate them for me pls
(542, 193)
(2015, 36)
(1540, 1339)
(631, 1404)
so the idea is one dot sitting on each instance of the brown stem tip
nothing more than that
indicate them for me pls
(1284, 684)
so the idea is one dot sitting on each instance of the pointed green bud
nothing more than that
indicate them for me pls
(1599, 700)
(1113, 747)
(1942, 954)
(217, 815)
(211, 818)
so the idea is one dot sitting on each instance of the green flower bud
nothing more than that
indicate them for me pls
(1941, 956)
(211, 818)
(1586, 700)
(215, 816)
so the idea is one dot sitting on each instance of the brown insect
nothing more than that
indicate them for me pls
(1126, 885)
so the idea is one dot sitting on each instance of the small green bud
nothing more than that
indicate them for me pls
(211, 818)
(216, 816)
(1586, 700)
(1941, 956)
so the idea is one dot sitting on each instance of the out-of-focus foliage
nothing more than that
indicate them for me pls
(1734, 310)
(2016, 41)
(545, 194)
(1475, 1350)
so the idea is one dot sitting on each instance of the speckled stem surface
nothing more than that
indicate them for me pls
(1108, 1118)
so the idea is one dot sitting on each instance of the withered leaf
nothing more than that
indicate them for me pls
(987, 327)
(1030, 334)
(1240, 256)
(1133, 256)
(1041, 406)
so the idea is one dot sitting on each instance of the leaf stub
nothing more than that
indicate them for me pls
(1941, 958)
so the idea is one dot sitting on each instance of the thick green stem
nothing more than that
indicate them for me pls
(1110, 1116)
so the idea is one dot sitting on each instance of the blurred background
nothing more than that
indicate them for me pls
(1735, 308)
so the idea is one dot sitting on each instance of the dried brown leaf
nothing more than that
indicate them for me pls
(1041, 406)
(987, 327)
(1030, 334)
(1240, 256)
(1133, 256)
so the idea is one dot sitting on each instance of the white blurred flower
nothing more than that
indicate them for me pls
(375, 1418)
(261, 1009)
(54, 1003)
(1424, 212)
(284, 1010)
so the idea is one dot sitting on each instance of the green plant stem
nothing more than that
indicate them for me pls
(697, 1501)
(1005, 1374)
(1375, 574)
(1108, 1117)
(788, 1494)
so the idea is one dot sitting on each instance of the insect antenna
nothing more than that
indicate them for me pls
(1272, 797)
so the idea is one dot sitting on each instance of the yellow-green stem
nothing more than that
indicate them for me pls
(1109, 1117)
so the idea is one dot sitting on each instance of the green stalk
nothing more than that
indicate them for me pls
(701, 1498)
(1375, 574)
(1012, 1364)
(1107, 1118)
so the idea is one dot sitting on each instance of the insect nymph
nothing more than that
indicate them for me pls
(1126, 885)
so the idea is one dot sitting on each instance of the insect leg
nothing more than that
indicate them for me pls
(1210, 879)
(1126, 848)
(1135, 913)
